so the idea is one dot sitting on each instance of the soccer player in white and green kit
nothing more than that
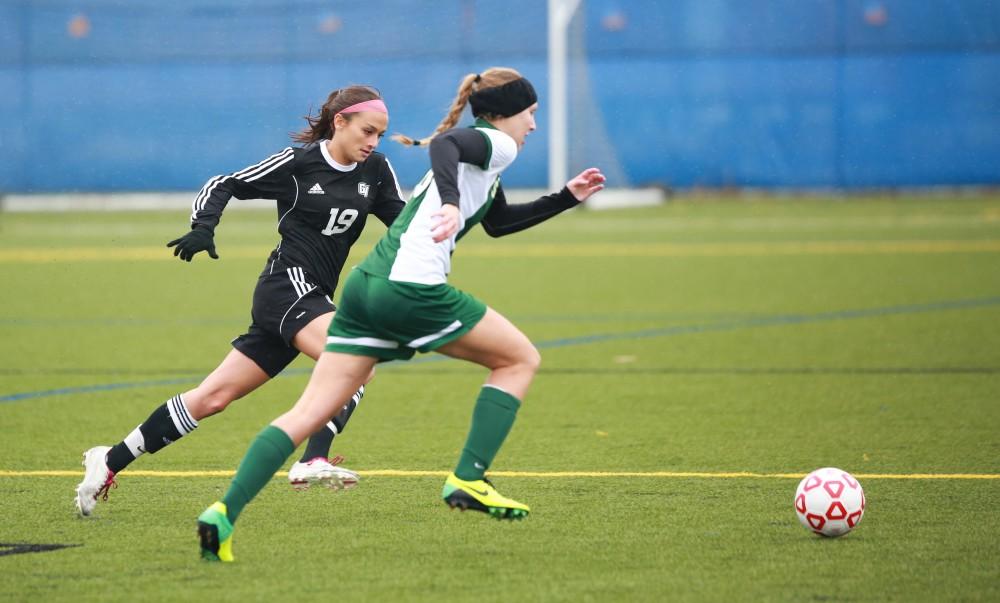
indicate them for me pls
(398, 302)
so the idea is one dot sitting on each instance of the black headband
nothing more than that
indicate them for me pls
(506, 100)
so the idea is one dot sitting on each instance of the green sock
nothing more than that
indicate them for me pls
(267, 453)
(491, 422)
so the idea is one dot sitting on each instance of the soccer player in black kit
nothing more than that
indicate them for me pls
(325, 191)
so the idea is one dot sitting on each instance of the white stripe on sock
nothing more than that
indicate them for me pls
(501, 390)
(135, 442)
(179, 414)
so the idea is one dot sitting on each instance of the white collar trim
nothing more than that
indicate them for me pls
(340, 167)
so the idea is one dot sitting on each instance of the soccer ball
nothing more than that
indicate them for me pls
(830, 502)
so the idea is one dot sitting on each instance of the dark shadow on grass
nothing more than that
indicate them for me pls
(17, 548)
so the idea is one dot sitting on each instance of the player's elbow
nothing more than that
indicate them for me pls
(492, 230)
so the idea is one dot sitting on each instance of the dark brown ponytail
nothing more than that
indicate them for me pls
(321, 126)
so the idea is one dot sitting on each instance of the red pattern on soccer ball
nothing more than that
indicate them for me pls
(830, 502)
(836, 511)
(816, 521)
(834, 488)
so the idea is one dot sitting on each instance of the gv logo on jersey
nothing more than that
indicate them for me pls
(363, 189)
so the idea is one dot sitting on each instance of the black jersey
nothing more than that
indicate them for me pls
(322, 205)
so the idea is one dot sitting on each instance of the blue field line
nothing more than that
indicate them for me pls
(714, 327)
(85, 389)
(770, 321)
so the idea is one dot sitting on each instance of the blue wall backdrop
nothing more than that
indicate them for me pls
(101, 95)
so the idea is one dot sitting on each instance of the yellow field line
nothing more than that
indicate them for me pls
(600, 474)
(573, 250)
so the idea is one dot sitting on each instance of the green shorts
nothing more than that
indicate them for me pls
(391, 320)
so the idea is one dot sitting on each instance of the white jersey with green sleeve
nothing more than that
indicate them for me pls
(407, 252)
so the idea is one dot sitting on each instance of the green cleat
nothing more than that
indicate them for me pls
(216, 534)
(480, 495)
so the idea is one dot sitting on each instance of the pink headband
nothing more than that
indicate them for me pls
(375, 104)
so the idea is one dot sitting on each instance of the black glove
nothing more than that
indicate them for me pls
(199, 239)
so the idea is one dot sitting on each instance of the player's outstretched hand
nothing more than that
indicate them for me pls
(446, 224)
(199, 239)
(586, 183)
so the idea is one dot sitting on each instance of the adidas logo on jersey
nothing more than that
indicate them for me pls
(316, 190)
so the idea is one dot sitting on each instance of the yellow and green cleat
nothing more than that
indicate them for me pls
(215, 533)
(480, 495)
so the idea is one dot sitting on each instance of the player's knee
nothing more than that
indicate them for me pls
(531, 359)
(213, 402)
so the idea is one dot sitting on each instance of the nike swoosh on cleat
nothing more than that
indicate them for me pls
(479, 492)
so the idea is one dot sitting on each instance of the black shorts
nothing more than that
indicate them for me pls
(284, 302)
